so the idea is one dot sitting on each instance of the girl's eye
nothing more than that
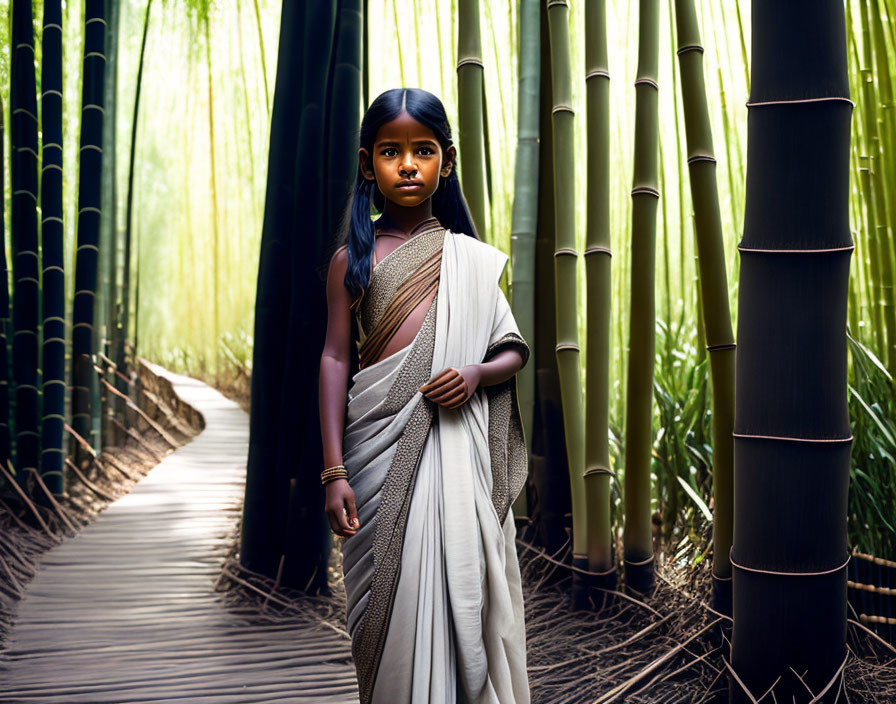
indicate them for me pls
(387, 150)
(428, 151)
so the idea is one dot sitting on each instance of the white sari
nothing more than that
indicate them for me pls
(434, 598)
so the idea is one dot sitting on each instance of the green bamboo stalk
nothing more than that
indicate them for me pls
(667, 263)
(52, 250)
(679, 181)
(471, 161)
(525, 214)
(599, 302)
(213, 185)
(248, 138)
(122, 361)
(874, 198)
(550, 473)
(716, 315)
(264, 65)
(637, 534)
(886, 168)
(566, 259)
(103, 404)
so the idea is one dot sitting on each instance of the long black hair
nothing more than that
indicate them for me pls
(448, 203)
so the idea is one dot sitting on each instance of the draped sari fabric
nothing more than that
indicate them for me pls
(433, 593)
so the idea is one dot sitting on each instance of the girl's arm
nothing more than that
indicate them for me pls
(453, 387)
(333, 383)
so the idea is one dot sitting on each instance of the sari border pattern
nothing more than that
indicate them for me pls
(398, 487)
(506, 441)
(391, 272)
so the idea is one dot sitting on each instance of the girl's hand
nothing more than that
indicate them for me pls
(340, 507)
(452, 387)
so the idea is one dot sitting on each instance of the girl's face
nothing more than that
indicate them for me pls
(407, 161)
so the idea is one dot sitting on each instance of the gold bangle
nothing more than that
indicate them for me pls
(331, 474)
(327, 480)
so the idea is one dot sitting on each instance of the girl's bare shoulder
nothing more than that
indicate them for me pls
(339, 260)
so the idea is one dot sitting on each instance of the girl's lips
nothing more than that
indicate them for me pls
(409, 186)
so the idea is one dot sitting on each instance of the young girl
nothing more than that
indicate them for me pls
(424, 463)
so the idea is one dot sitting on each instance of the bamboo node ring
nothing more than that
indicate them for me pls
(566, 250)
(470, 60)
(689, 47)
(721, 346)
(638, 562)
(566, 346)
(797, 251)
(597, 72)
(783, 437)
(562, 106)
(647, 81)
(795, 101)
(598, 250)
(599, 469)
(551, 3)
(788, 574)
(647, 190)
(702, 157)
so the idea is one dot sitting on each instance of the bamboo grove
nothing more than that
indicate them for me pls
(566, 417)
(624, 153)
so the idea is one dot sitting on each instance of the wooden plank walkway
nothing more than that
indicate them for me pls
(126, 611)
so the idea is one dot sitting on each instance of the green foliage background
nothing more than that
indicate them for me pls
(413, 43)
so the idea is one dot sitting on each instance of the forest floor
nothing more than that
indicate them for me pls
(670, 647)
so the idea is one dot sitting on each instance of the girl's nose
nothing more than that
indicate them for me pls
(407, 169)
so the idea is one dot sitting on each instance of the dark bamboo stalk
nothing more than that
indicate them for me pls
(23, 143)
(53, 281)
(283, 493)
(5, 440)
(792, 435)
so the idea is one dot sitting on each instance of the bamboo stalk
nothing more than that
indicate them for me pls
(471, 160)
(876, 198)
(566, 259)
(53, 276)
(599, 302)
(637, 534)
(792, 435)
(5, 439)
(89, 217)
(550, 475)
(25, 257)
(716, 315)
(121, 360)
(525, 215)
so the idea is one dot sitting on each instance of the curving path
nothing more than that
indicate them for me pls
(126, 611)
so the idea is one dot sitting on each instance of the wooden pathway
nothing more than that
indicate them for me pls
(126, 611)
